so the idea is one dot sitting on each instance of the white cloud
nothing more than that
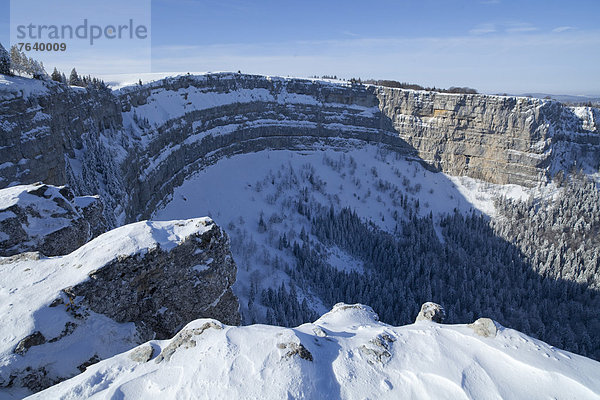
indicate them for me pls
(563, 29)
(507, 27)
(482, 29)
(519, 27)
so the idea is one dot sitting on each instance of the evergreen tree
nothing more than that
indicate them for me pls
(4, 61)
(18, 61)
(36, 69)
(74, 79)
(56, 76)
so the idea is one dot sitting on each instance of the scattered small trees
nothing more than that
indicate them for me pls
(414, 86)
(84, 81)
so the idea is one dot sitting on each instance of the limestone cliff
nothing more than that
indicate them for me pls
(133, 146)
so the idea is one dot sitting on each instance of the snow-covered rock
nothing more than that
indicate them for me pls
(129, 285)
(485, 327)
(431, 312)
(358, 357)
(47, 219)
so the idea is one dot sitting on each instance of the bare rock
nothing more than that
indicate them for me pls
(161, 290)
(91, 361)
(295, 349)
(184, 339)
(431, 312)
(142, 354)
(378, 350)
(485, 327)
(35, 339)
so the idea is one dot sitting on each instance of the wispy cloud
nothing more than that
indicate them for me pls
(519, 27)
(348, 33)
(490, 1)
(563, 29)
(482, 29)
(502, 27)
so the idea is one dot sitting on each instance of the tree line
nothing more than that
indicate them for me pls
(18, 63)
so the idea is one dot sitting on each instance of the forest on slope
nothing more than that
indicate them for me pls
(535, 268)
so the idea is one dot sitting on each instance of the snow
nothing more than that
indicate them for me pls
(358, 358)
(46, 208)
(246, 185)
(15, 86)
(29, 284)
(85, 201)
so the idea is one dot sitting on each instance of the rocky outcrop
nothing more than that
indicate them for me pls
(431, 312)
(47, 219)
(185, 340)
(485, 327)
(133, 146)
(138, 282)
(163, 289)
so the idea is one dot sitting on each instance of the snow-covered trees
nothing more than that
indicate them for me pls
(74, 79)
(474, 273)
(559, 237)
(534, 268)
(26, 66)
(4, 61)
(84, 81)
(57, 76)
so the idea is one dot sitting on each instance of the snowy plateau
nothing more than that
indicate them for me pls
(243, 236)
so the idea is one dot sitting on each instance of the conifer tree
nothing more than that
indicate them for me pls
(74, 79)
(4, 61)
(56, 76)
(17, 60)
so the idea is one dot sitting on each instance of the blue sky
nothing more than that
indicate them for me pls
(492, 45)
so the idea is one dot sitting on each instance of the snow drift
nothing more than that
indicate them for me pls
(347, 353)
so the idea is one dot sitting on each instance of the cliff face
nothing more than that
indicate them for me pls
(133, 146)
(44, 125)
(494, 138)
(47, 219)
(138, 282)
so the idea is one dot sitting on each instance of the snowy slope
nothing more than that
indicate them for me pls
(345, 354)
(366, 178)
(29, 286)
(15, 86)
